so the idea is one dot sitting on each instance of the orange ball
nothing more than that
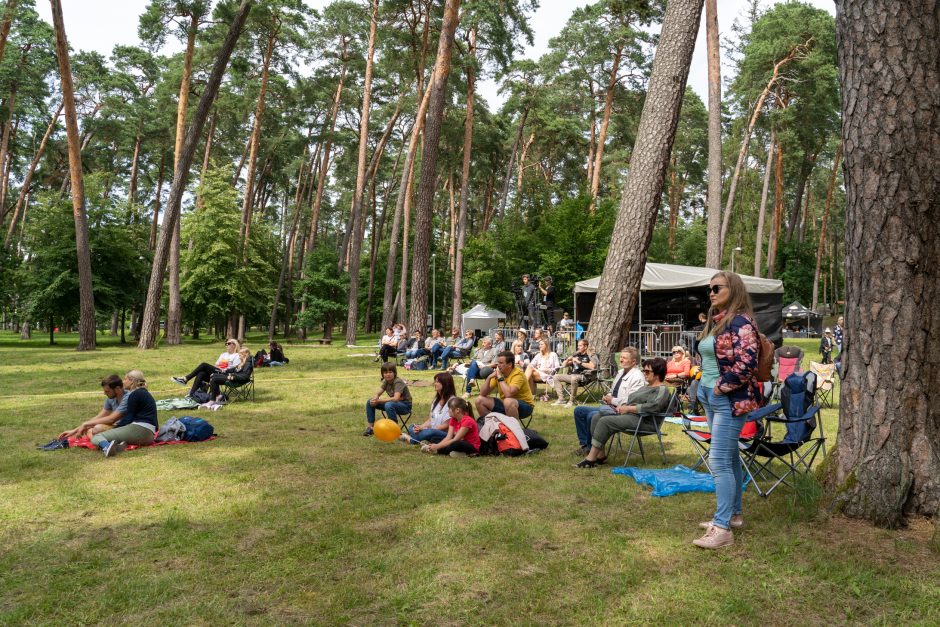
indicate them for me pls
(386, 430)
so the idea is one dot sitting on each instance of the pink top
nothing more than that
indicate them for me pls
(674, 367)
(473, 432)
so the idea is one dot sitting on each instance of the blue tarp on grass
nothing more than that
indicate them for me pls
(669, 481)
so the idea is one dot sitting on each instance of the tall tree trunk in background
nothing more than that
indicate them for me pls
(887, 458)
(796, 51)
(639, 204)
(762, 212)
(713, 201)
(806, 169)
(822, 228)
(135, 170)
(151, 315)
(86, 321)
(174, 314)
(404, 194)
(200, 199)
(5, 144)
(401, 312)
(325, 159)
(464, 180)
(424, 206)
(245, 229)
(512, 158)
(8, 12)
(377, 240)
(24, 189)
(778, 211)
(156, 203)
(602, 135)
(358, 214)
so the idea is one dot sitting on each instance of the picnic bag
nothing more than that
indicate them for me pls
(507, 443)
(765, 358)
(197, 429)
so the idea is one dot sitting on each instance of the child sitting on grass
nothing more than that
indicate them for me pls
(397, 389)
(463, 435)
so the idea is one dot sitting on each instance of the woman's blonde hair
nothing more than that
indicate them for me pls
(739, 302)
(137, 380)
(237, 344)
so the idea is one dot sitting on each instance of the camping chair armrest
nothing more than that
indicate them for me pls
(763, 412)
(782, 418)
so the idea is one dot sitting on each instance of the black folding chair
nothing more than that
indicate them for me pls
(240, 390)
(403, 419)
(649, 424)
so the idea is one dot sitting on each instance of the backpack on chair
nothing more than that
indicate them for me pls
(765, 358)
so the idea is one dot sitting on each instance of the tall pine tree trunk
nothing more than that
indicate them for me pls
(151, 316)
(602, 135)
(639, 205)
(887, 459)
(778, 211)
(86, 324)
(822, 227)
(358, 214)
(762, 211)
(713, 198)
(424, 206)
(464, 183)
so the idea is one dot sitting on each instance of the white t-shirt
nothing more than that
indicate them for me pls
(545, 363)
(232, 360)
(440, 415)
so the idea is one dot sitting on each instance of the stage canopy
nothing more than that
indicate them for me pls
(481, 318)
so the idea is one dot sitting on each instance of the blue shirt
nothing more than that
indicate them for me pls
(710, 374)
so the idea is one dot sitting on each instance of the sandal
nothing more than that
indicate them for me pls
(600, 461)
(585, 463)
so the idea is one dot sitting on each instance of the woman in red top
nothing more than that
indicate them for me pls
(463, 435)
(677, 368)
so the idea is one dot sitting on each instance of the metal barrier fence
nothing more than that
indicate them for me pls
(660, 343)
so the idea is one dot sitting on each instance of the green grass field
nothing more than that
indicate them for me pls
(290, 516)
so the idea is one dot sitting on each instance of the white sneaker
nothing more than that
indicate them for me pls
(558, 403)
(569, 404)
(715, 538)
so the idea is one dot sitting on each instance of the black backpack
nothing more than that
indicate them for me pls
(536, 441)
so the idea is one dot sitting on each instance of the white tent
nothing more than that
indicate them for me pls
(481, 318)
(662, 276)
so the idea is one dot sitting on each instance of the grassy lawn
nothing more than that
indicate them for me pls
(292, 517)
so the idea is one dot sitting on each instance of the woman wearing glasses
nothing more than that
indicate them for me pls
(728, 390)
(653, 398)
(677, 368)
(201, 373)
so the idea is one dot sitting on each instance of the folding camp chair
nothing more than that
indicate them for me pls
(240, 390)
(697, 430)
(775, 461)
(403, 419)
(825, 382)
(649, 424)
(787, 360)
(593, 385)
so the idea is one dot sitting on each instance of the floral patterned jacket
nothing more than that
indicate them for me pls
(736, 349)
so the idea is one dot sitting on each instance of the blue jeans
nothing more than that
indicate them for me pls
(392, 409)
(474, 371)
(584, 416)
(724, 459)
(426, 435)
(275, 364)
(436, 351)
(415, 353)
(447, 353)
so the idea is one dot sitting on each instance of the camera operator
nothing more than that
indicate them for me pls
(548, 300)
(530, 301)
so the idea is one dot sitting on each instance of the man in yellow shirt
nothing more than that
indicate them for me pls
(514, 396)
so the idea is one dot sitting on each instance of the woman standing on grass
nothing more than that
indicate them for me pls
(463, 434)
(729, 345)
(434, 429)
(139, 422)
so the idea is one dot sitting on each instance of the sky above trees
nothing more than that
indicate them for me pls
(111, 22)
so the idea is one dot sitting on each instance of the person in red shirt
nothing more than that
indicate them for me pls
(463, 435)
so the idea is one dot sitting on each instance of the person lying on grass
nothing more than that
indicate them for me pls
(434, 429)
(399, 401)
(463, 435)
(238, 375)
(115, 404)
(651, 399)
(202, 372)
(138, 425)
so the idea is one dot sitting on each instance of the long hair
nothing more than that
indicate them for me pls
(388, 367)
(461, 405)
(136, 377)
(448, 389)
(739, 302)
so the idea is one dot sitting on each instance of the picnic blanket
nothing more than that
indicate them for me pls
(84, 442)
(668, 481)
(183, 402)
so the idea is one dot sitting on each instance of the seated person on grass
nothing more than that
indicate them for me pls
(650, 399)
(399, 401)
(138, 425)
(239, 375)
(202, 372)
(480, 367)
(115, 404)
(509, 383)
(272, 359)
(434, 429)
(463, 434)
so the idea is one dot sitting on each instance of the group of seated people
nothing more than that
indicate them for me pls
(234, 366)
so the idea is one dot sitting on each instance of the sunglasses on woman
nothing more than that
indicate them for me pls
(714, 289)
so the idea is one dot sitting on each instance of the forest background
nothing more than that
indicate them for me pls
(272, 231)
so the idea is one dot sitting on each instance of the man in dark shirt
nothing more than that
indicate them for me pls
(548, 300)
(530, 301)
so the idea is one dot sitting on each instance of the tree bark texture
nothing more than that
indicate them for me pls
(713, 197)
(358, 214)
(778, 211)
(464, 185)
(762, 211)
(151, 316)
(424, 207)
(86, 325)
(5, 26)
(887, 460)
(626, 258)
